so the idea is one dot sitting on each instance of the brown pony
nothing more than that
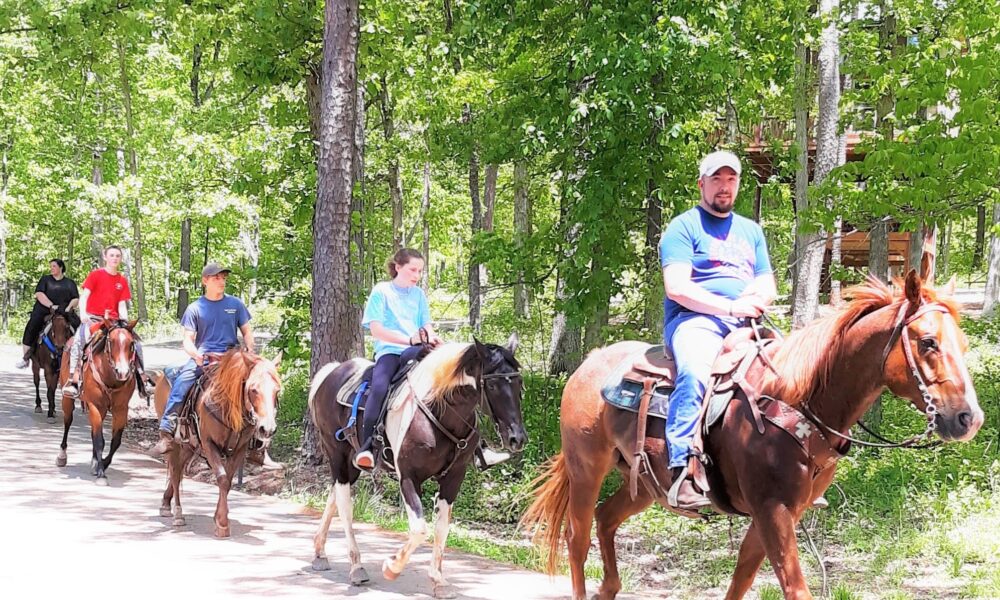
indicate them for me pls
(108, 383)
(46, 356)
(832, 371)
(238, 403)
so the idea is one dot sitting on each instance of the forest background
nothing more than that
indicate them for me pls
(533, 150)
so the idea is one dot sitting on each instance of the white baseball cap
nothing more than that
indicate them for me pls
(716, 160)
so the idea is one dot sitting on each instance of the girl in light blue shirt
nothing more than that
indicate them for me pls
(399, 319)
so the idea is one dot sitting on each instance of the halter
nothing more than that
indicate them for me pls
(901, 332)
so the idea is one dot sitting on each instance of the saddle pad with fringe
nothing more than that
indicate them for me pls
(627, 394)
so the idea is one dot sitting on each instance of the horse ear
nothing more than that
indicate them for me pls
(513, 342)
(277, 359)
(949, 288)
(131, 324)
(913, 287)
(481, 350)
(929, 256)
(248, 359)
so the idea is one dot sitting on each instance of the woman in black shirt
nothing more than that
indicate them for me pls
(53, 291)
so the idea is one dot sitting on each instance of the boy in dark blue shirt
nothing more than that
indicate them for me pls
(211, 325)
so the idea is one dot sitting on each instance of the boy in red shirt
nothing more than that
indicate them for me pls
(104, 296)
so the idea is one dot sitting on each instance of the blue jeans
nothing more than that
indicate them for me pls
(189, 373)
(695, 340)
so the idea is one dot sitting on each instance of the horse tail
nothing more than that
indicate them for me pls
(318, 380)
(547, 514)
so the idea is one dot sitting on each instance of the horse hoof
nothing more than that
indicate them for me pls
(320, 563)
(444, 591)
(359, 576)
(221, 532)
(50, 420)
(38, 409)
(165, 511)
(61, 460)
(388, 573)
(101, 481)
(179, 522)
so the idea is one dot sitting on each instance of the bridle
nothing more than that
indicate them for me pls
(900, 332)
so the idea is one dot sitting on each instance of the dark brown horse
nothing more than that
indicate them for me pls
(238, 404)
(833, 370)
(436, 440)
(107, 384)
(46, 357)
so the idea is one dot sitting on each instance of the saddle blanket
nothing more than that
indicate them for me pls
(627, 394)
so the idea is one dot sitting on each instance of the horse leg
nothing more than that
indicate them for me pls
(610, 515)
(224, 480)
(37, 378)
(446, 500)
(96, 418)
(118, 419)
(68, 405)
(585, 476)
(51, 381)
(176, 461)
(392, 567)
(750, 558)
(777, 530)
(340, 502)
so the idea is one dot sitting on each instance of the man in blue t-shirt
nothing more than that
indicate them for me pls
(210, 326)
(716, 271)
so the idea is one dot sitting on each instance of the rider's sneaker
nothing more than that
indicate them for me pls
(22, 364)
(148, 386)
(365, 460)
(491, 457)
(820, 502)
(71, 390)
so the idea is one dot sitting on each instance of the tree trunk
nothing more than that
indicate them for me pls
(250, 238)
(184, 277)
(395, 185)
(993, 268)
(5, 148)
(878, 253)
(522, 231)
(944, 255)
(70, 244)
(805, 293)
(96, 239)
(565, 350)
(652, 314)
(357, 214)
(489, 201)
(475, 287)
(980, 244)
(314, 104)
(425, 207)
(139, 283)
(336, 330)
(878, 250)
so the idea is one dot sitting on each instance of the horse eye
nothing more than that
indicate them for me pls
(927, 344)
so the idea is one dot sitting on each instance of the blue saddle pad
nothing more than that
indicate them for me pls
(626, 394)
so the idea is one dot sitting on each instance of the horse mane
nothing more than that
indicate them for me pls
(443, 371)
(805, 359)
(226, 389)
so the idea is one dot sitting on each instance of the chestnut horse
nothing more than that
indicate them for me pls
(46, 357)
(107, 384)
(238, 403)
(453, 383)
(832, 371)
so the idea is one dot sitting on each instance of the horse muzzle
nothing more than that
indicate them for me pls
(961, 425)
(515, 439)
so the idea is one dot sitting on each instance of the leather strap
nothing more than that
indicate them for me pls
(640, 436)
